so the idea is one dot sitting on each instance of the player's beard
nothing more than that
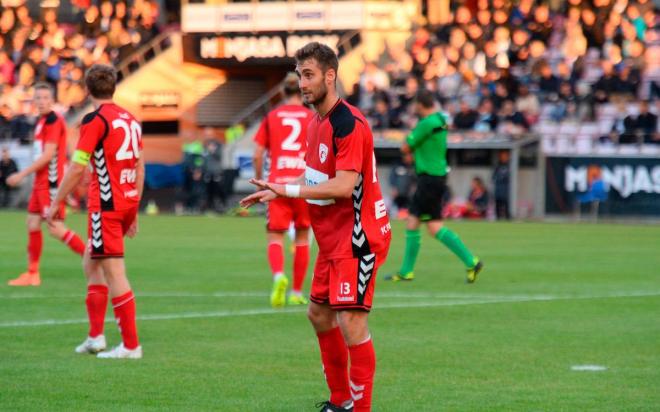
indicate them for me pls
(318, 98)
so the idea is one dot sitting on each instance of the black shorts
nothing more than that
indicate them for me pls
(429, 197)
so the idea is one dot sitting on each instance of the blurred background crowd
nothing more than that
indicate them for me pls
(504, 68)
(35, 46)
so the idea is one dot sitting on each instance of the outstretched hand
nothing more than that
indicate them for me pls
(268, 191)
(261, 196)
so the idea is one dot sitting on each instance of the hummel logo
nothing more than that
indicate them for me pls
(359, 241)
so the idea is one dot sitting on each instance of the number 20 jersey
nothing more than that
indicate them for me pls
(113, 137)
(283, 133)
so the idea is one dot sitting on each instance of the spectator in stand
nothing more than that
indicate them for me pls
(404, 112)
(380, 116)
(22, 123)
(7, 67)
(513, 122)
(624, 128)
(488, 120)
(528, 104)
(548, 83)
(466, 118)
(7, 167)
(628, 84)
(608, 84)
(647, 123)
(501, 95)
(566, 104)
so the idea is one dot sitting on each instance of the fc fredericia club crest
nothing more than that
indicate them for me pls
(323, 152)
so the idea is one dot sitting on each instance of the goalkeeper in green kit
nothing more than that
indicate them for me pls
(428, 143)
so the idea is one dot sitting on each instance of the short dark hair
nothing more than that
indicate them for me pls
(324, 55)
(101, 81)
(44, 86)
(425, 98)
(290, 85)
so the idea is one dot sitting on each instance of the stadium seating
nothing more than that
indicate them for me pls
(474, 58)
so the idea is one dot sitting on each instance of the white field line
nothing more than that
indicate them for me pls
(393, 295)
(268, 311)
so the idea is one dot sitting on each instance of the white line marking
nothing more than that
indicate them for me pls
(394, 295)
(268, 311)
(588, 368)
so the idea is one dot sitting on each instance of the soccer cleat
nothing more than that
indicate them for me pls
(120, 352)
(26, 279)
(297, 300)
(92, 345)
(278, 295)
(396, 277)
(327, 406)
(473, 272)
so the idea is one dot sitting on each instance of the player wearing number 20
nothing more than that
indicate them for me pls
(283, 134)
(111, 138)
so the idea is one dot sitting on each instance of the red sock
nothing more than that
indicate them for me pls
(97, 302)
(74, 242)
(334, 355)
(35, 244)
(363, 366)
(276, 257)
(300, 262)
(124, 306)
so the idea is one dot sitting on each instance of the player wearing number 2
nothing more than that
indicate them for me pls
(111, 138)
(282, 133)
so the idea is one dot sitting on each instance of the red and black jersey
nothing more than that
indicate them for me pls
(114, 138)
(50, 128)
(283, 133)
(355, 227)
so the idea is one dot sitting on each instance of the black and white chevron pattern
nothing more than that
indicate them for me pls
(359, 238)
(105, 188)
(365, 270)
(52, 177)
(97, 233)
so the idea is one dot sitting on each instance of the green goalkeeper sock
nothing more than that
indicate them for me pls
(412, 250)
(454, 243)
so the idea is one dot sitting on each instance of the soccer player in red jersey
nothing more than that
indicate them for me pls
(350, 224)
(282, 133)
(48, 166)
(112, 138)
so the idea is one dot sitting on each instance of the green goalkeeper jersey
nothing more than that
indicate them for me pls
(428, 141)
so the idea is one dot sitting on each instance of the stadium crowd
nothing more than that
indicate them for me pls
(38, 47)
(503, 67)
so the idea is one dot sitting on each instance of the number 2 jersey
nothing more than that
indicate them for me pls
(356, 226)
(283, 133)
(112, 138)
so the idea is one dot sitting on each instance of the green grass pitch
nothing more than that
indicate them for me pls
(552, 296)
